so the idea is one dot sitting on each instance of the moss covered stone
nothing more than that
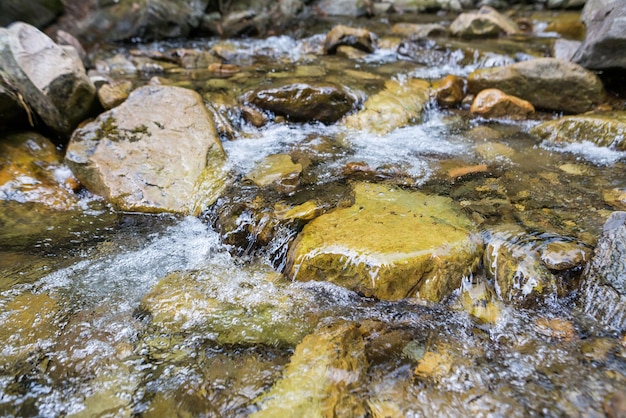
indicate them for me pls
(606, 129)
(394, 107)
(390, 244)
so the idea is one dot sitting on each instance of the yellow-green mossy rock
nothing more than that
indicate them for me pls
(321, 380)
(30, 322)
(394, 107)
(391, 244)
(277, 171)
(606, 129)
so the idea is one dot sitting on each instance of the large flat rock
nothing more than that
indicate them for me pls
(390, 244)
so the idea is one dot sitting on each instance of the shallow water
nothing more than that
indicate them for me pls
(93, 349)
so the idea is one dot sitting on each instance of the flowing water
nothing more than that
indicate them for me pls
(78, 340)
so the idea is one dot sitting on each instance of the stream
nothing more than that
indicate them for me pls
(116, 314)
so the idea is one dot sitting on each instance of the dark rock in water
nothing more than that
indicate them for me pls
(12, 112)
(604, 45)
(301, 102)
(51, 79)
(547, 83)
(36, 12)
(159, 151)
(604, 288)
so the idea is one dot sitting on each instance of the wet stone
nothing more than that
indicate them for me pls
(521, 278)
(603, 293)
(159, 151)
(449, 91)
(113, 94)
(385, 245)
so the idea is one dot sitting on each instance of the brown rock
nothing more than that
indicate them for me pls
(114, 94)
(344, 35)
(486, 22)
(494, 103)
(449, 91)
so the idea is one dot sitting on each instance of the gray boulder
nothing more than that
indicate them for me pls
(548, 83)
(158, 151)
(604, 45)
(604, 289)
(51, 79)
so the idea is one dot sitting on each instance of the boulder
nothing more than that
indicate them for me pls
(51, 79)
(520, 277)
(603, 292)
(606, 129)
(158, 151)
(345, 35)
(486, 22)
(301, 102)
(494, 103)
(326, 371)
(604, 45)
(36, 12)
(390, 244)
(547, 83)
(564, 49)
(398, 104)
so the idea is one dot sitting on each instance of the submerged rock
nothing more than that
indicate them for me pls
(547, 83)
(390, 244)
(301, 102)
(516, 267)
(604, 45)
(231, 307)
(277, 171)
(157, 152)
(325, 372)
(31, 170)
(51, 79)
(494, 103)
(485, 22)
(31, 322)
(394, 107)
(604, 288)
(605, 129)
